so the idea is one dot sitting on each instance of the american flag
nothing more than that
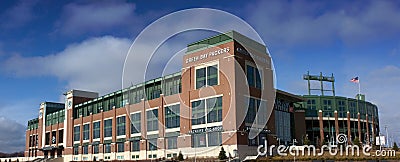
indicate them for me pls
(354, 80)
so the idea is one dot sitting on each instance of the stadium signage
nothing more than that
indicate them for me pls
(245, 52)
(206, 130)
(202, 56)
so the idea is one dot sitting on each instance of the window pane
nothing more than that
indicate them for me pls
(199, 140)
(152, 120)
(135, 123)
(212, 75)
(200, 78)
(77, 133)
(258, 79)
(108, 128)
(250, 75)
(198, 112)
(121, 126)
(172, 117)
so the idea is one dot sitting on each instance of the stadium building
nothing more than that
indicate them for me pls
(327, 116)
(213, 102)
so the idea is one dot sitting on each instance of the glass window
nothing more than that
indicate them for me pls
(108, 128)
(86, 131)
(152, 144)
(172, 118)
(95, 149)
(214, 138)
(77, 131)
(135, 145)
(96, 130)
(85, 149)
(121, 126)
(214, 109)
(76, 150)
(250, 75)
(60, 136)
(251, 111)
(200, 78)
(172, 142)
(199, 140)
(135, 123)
(107, 148)
(120, 147)
(212, 75)
(152, 120)
(198, 112)
(207, 76)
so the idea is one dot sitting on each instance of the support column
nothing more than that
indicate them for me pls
(321, 127)
(336, 123)
(348, 128)
(367, 127)
(359, 127)
(373, 130)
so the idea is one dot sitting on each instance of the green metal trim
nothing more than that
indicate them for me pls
(135, 138)
(107, 142)
(121, 140)
(203, 48)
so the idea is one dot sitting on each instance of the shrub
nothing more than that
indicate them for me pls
(395, 147)
(180, 156)
(222, 154)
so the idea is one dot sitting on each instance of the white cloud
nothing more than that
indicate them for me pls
(12, 136)
(80, 18)
(94, 64)
(302, 23)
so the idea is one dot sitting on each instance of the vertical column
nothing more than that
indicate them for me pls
(321, 127)
(359, 126)
(348, 128)
(336, 123)
(367, 127)
(373, 130)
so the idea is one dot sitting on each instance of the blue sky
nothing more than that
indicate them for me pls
(48, 47)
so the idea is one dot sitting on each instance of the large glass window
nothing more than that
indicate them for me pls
(95, 149)
(108, 128)
(172, 118)
(152, 120)
(214, 138)
(120, 147)
(198, 112)
(254, 105)
(250, 75)
(107, 148)
(135, 145)
(172, 85)
(135, 123)
(213, 113)
(77, 133)
(152, 144)
(86, 131)
(282, 126)
(76, 150)
(199, 140)
(214, 110)
(96, 130)
(121, 125)
(207, 76)
(172, 142)
(253, 77)
(85, 149)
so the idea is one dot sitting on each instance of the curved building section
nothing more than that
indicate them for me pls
(328, 116)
